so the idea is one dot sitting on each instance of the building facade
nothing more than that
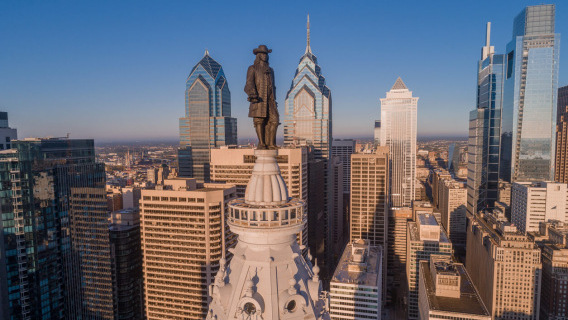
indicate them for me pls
(207, 122)
(41, 218)
(453, 210)
(536, 202)
(184, 235)
(343, 149)
(356, 285)
(369, 196)
(398, 132)
(307, 109)
(561, 165)
(485, 130)
(126, 257)
(528, 124)
(424, 238)
(504, 265)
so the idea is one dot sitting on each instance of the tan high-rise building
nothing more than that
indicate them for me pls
(396, 254)
(369, 196)
(504, 265)
(438, 176)
(453, 210)
(425, 237)
(234, 165)
(561, 165)
(184, 235)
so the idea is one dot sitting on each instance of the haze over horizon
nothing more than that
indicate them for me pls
(117, 71)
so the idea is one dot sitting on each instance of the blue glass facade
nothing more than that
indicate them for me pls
(38, 268)
(485, 134)
(530, 96)
(207, 122)
(307, 110)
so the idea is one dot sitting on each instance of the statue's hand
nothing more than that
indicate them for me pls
(253, 99)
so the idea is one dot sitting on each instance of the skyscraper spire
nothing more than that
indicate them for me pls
(308, 49)
(488, 49)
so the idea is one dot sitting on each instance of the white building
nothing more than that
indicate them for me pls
(446, 292)
(267, 278)
(356, 286)
(535, 202)
(398, 132)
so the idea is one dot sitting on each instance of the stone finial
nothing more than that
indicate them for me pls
(292, 289)
(249, 288)
(316, 271)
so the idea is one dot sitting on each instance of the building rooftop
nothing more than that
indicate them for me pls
(469, 301)
(360, 264)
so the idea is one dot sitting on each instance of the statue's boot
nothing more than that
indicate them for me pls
(260, 131)
(271, 136)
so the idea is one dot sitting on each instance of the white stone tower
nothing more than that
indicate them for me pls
(268, 278)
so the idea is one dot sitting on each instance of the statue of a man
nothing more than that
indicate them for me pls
(261, 93)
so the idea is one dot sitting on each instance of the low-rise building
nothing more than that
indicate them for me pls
(356, 285)
(446, 292)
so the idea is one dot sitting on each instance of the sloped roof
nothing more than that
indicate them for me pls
(211, 66)
(399, 85)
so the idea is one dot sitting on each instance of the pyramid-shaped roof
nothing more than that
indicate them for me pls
(399, 85)
(211, 66)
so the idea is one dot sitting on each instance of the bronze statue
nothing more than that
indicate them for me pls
(261, 93)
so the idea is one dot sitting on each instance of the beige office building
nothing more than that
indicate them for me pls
(504, 265)
(233, 165)
(184, 234)
(453, 210)
(446, 292)
(396, 254)
(369, 196)
(425, 237)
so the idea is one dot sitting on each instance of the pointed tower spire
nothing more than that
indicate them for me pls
(308, 48)
(488, 49)
(399, 85)
(206, 53)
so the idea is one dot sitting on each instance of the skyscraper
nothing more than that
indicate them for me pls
(184, 235)
(126, 256)
(398, 132)
(207, 122)
(561, 165)
(343, 149)
(52, 188)
(528, 121)
(369, 197)
(485, 130)
(307, 110)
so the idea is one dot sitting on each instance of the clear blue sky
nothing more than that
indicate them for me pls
(116, 70)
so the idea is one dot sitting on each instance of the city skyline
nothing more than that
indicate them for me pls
(132, 67)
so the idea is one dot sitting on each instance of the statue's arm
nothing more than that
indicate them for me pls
(250, 86)
(273, 83)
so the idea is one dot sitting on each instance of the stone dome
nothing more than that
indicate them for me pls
(266, 186)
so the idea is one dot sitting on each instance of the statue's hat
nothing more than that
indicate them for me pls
(261, 49)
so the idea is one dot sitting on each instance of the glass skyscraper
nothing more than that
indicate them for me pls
(530, 95)
(49, 191)
(485, 130)
(207, 122)
(398, 132)
(307, 111)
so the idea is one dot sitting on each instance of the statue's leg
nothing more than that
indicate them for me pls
(260, 128)
(272, 128)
